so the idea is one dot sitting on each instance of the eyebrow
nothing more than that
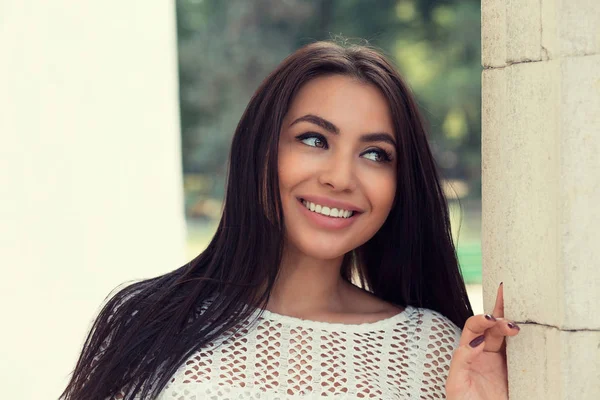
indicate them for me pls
(330, 127)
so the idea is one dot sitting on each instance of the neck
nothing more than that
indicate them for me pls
(306, 285)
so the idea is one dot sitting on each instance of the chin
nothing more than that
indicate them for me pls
(322, 250)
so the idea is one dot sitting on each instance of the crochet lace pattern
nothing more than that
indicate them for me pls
(278, 357)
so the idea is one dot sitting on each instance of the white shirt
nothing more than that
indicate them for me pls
(285, 358)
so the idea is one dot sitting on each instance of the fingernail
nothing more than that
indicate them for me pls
(513, 326)
(477, 341)
(501, 283)
(490, 317)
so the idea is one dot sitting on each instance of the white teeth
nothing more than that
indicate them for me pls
(331, 212)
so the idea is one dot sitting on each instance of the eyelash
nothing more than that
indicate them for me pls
(385, 155)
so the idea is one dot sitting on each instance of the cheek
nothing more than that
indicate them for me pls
(380, 189)
(294, 167)
(288, 168)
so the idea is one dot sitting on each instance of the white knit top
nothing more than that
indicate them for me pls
(284, 358)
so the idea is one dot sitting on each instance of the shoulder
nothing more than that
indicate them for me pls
(436, 325)
(438, 336)
(431, 340)
(436, 320)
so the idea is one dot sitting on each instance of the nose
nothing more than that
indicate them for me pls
(338, 173)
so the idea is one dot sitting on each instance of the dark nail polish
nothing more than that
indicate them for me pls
(490, 317)
(477, 341)
(513, 326)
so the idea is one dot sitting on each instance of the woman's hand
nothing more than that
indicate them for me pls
(478, 367)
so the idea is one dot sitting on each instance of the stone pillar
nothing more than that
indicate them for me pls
(90, 173)
(541, 190)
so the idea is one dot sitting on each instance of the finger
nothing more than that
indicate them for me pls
(476, 326)
(499, 306)
(495, 336)
(504, 327)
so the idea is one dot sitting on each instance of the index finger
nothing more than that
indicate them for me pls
(499, 307)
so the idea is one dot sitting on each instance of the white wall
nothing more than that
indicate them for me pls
(89, 170)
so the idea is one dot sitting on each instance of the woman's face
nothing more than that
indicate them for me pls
(337, 166)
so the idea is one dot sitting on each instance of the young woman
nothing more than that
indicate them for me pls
(332, 273)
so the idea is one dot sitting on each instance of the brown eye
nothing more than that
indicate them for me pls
(313, 140)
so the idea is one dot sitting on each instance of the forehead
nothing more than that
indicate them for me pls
(350, 104)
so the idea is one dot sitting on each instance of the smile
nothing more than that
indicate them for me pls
(329, 212)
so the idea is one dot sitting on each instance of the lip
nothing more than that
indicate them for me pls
(331, 203)
(325, 222)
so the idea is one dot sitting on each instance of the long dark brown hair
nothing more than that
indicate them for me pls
(147, 330)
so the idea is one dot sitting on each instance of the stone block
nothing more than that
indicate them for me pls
(520, 190)
(493, 241)
(580, 190)
(523, 31)
(534, 363)
(493, 33)
(517, 31)
(541, 190)
(550, 364)
(570, 28)
(510, 32)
